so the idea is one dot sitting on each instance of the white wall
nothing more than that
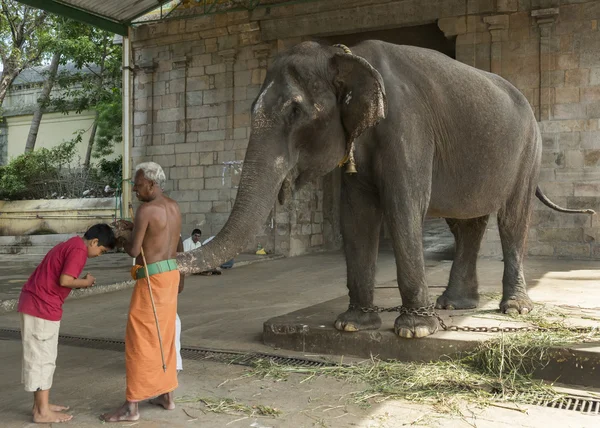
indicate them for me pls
(54, 129)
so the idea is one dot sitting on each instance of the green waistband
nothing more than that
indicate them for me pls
(158, 267)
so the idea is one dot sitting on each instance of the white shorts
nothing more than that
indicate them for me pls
(40, 349)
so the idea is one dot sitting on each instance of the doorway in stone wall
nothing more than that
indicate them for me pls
(436, 233)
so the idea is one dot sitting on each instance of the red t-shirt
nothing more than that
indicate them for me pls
(42, 295)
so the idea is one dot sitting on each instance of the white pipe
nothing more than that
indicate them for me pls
(127, 121)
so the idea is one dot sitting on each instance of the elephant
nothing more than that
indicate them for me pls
(427, 135)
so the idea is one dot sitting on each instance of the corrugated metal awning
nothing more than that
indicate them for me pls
(110, 15)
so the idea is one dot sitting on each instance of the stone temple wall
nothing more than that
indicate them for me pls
(197, 75)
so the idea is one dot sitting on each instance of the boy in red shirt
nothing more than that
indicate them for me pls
(40, 305)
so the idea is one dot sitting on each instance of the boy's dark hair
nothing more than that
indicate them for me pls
(103, 233)
(198, 231)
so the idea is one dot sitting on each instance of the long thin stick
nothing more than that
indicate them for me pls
(162, 354)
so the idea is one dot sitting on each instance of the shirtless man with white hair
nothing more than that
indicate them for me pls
(156, 229)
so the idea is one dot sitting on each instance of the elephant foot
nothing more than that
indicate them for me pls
(516, 304)
(355, 320)
(415, 326)
(446, 301)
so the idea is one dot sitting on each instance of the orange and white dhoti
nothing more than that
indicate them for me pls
(143, 363)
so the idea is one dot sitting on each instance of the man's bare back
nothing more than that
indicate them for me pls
(157, 225)
(161, 237)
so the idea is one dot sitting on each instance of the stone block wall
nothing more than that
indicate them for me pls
(197, 76)
(550, 51)
(195, 81)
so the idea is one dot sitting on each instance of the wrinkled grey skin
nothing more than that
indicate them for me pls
(433, 136)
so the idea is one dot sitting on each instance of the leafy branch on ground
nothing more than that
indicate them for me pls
(230, 406)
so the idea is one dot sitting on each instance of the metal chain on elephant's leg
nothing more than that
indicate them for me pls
(373, 309)
(429, 311)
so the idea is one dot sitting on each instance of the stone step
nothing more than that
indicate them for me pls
(31, 250)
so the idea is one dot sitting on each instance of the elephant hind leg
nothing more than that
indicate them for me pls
(462, 290)
(513, 225)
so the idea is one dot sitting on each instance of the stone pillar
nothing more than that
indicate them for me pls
(498, 28)
(229, 60)
(261, 53)
(181, 63)
(472, 39)
(545, 19)
(143, 117)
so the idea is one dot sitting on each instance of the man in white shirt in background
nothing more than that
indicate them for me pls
(193, 241)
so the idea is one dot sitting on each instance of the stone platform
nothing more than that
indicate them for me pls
(562, 290)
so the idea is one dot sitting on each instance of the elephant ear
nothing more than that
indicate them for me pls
(360, 92)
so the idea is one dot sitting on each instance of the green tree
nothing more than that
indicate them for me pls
(62, 48)
(24, 38)
(42, 101)
(96, 86)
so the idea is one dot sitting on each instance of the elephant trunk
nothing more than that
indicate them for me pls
(259, 185)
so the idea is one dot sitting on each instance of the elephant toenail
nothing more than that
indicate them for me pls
(422, 332)
(405, 333)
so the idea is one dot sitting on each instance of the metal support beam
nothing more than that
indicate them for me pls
(78, 15)
(126, 129)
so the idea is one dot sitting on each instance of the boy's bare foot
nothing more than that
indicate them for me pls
(127, 412)
(164, 400)
(57, 408)
(54, 408)
(50, 417)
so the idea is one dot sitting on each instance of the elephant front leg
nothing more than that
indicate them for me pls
(414, 321)
(361, 224)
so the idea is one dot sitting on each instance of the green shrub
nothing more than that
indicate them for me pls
(50, 173)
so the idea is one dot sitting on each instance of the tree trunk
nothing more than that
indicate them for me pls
(38, 112)
(8, 76)
(88, 153)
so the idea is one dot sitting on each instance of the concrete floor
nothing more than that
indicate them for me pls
(225, 311)
(228, 312)
(93, 381)
(15, 269)
(114, 268)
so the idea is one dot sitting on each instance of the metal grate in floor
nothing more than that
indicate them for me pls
(188, 353)
(575, 403)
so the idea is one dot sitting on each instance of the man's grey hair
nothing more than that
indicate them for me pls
(152, 172)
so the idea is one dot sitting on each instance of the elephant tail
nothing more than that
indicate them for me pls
(550, 204)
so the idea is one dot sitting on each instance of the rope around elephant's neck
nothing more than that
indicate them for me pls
(349, 158)
(345, 48)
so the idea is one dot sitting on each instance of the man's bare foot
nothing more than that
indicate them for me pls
(50, 417)
(127, 412)
(164, 400)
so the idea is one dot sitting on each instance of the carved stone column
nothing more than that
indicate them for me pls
(545, 19)
(498, 28)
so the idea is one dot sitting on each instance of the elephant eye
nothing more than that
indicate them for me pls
(296, 110)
